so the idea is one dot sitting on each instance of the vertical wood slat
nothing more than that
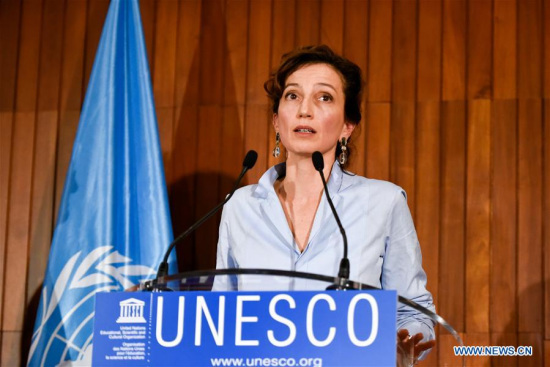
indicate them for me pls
(19, 201)
(427, 192)
(402, 148)
(10, 349)
(307, 22)
(235, 93)
(282, 41)
(479, 84)
(428, 132)
(164, 76)
(379, 74)
(478, 217)
(283, 28)
(454, 50)
(546, 226)
(257, 128)
(451, 252)
(356, 33)
(209, 125)
(429, 51)
(71, 97)
(403, 96)
(529, 49)
(332, 24)
(20, 182)
(404, 50)
(147, 11)
(504, 49)
(529, 262)
(546, 50)
(503, 218)
(96, 14)
(377, 130)
(185, 128)
(9, 36)
(43, 186)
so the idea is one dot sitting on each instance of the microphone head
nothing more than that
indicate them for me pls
(250, 159)
(318, 161)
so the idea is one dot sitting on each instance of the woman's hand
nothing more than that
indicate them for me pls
(409, 347)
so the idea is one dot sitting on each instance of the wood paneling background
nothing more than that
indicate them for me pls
(456, 111)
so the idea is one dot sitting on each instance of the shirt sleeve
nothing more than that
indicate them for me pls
(402, 270)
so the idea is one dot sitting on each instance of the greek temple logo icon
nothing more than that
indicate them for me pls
(131, 311)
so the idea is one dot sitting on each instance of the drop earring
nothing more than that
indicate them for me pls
(343, 157)
(277, 151)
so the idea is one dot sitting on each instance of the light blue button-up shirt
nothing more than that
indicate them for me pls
(383, 247)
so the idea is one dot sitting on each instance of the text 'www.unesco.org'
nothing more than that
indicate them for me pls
(265, 362)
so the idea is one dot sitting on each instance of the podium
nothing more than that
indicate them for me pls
(196, 319)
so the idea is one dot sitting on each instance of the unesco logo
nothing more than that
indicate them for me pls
(131, 311)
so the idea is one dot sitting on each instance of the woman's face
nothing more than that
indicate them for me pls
(311, 111)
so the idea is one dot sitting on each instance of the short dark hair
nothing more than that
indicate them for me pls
(322, 54)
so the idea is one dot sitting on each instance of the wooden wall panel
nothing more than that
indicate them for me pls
(307, 22)
(504, 49)
(283, 32)
(480, 49)
(455, 111)
(210, 122)
(233, 149)
(530, 279)
(503, 218)
(96, 13)
(333, 23)
(429, 51)
(530, 49)
(9, 43)
(454, 50)
(427, 186)
(257, 125)
(71, 97)
(356, 21)
(185, 128)
(478, 217)
(43, 185)
(546, 223)
(377, 130)
(453, 192)
(20, 182)
(378, 73)
(402, 161)
(546, 49)
(148, 10)
(164, 76)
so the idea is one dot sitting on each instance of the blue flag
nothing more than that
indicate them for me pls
(114, 222)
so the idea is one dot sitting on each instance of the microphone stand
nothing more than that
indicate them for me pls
(343, 273)
(248, 163)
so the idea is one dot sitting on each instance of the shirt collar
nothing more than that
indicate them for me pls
(265, 185)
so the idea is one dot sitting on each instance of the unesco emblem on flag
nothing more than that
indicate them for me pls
(131, 311)
(69, 337)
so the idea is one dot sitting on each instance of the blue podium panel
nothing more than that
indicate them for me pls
(298, 328)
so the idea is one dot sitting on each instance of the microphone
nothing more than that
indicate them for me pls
(343, 273)
(248, 162)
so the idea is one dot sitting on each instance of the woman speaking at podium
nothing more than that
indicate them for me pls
(285, 222)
